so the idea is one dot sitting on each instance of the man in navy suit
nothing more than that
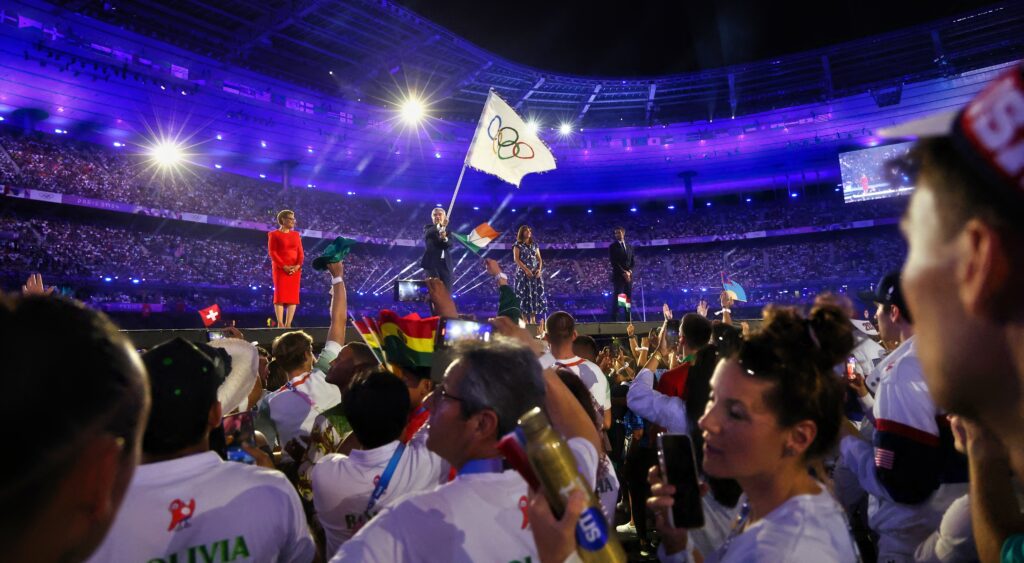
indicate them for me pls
(437, 259)
(620, 253)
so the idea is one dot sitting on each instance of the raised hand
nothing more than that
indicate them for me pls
(34, 286)
(702, 308)
(666, 310)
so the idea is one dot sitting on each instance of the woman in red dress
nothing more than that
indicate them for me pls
(286, 256)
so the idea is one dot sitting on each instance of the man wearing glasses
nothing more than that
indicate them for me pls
(482, 513)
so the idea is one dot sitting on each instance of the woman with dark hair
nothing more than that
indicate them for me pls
(286, 257)
(529, 284)
(775, 408)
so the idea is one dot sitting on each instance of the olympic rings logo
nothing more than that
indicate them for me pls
(506, 143)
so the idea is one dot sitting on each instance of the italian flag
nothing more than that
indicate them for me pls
(624, 301)
(481, 236)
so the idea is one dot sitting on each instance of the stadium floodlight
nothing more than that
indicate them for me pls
(166, 153)
(532, 127)
(565, 129)
(412, 110)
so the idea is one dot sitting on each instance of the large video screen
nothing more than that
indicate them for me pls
(865, 176)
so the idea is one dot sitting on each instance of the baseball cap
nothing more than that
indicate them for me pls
(887, 292)
(988, 132)
(184, 378)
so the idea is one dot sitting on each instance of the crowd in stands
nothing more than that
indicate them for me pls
(65, 166)
(179, 270)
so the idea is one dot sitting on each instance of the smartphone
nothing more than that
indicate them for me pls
(851, 367)
(411, 290)
(672, 333)
(212, 335)
(238, 430)
(450, 331)
(679, 469)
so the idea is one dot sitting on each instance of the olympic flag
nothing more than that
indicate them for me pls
(503, 146)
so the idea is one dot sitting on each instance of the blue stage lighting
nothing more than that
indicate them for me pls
(217, 166)
(550, 211)
(633, 209)
(672, 207)
(263, 176)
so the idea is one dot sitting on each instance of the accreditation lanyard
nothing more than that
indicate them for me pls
(385, 478)
(488, 465)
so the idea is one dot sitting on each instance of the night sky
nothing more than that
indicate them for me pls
(649, 38)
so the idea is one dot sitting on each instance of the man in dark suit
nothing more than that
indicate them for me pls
(437, 259)
(621, 255)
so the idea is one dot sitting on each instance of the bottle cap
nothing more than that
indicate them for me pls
(534, 421)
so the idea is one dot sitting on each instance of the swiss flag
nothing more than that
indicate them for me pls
(210, 314)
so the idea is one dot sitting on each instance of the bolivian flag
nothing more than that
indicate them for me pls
(407, 341)
(366, 329)
(481, 236)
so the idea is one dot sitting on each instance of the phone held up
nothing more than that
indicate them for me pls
(411, 290)
(238, 430)
(679, 469)
(450, 331)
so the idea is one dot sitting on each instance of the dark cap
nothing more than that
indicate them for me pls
(184, 378)
(887, 292)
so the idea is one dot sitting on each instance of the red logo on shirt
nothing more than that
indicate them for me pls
(522, 506)
(181, 513)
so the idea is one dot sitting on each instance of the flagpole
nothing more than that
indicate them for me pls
(454, 195)
(643, 302)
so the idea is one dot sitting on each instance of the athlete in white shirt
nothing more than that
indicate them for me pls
(481, 515)
(376, 404)
(560, 332)
(184, 502)
(292, 409)
(910, 468)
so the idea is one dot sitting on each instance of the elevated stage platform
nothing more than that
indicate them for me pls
(264, 336)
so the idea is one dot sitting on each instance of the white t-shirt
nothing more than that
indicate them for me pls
(293, 408)
(607, 490)
(954, 540)
(342, 485)
(200, 507)
(589, 373)
(478, 517)
(804, 529)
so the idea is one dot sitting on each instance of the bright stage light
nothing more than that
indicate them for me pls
(412, 110)
(564, 129)
(532, 127)
(166, 153)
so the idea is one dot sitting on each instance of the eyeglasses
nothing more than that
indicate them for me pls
(442, 393)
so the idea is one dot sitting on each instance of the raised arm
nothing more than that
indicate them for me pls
(339, 303)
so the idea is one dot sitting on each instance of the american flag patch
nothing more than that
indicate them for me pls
(884, 458)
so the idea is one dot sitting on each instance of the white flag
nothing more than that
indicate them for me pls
(502, 146)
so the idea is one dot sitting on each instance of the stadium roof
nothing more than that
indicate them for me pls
(376, 49)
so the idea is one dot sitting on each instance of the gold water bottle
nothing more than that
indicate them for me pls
(555, 466)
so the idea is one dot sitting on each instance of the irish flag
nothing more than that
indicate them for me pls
(407, 341)
(504, 146)
(624, 301)
(481, 236)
